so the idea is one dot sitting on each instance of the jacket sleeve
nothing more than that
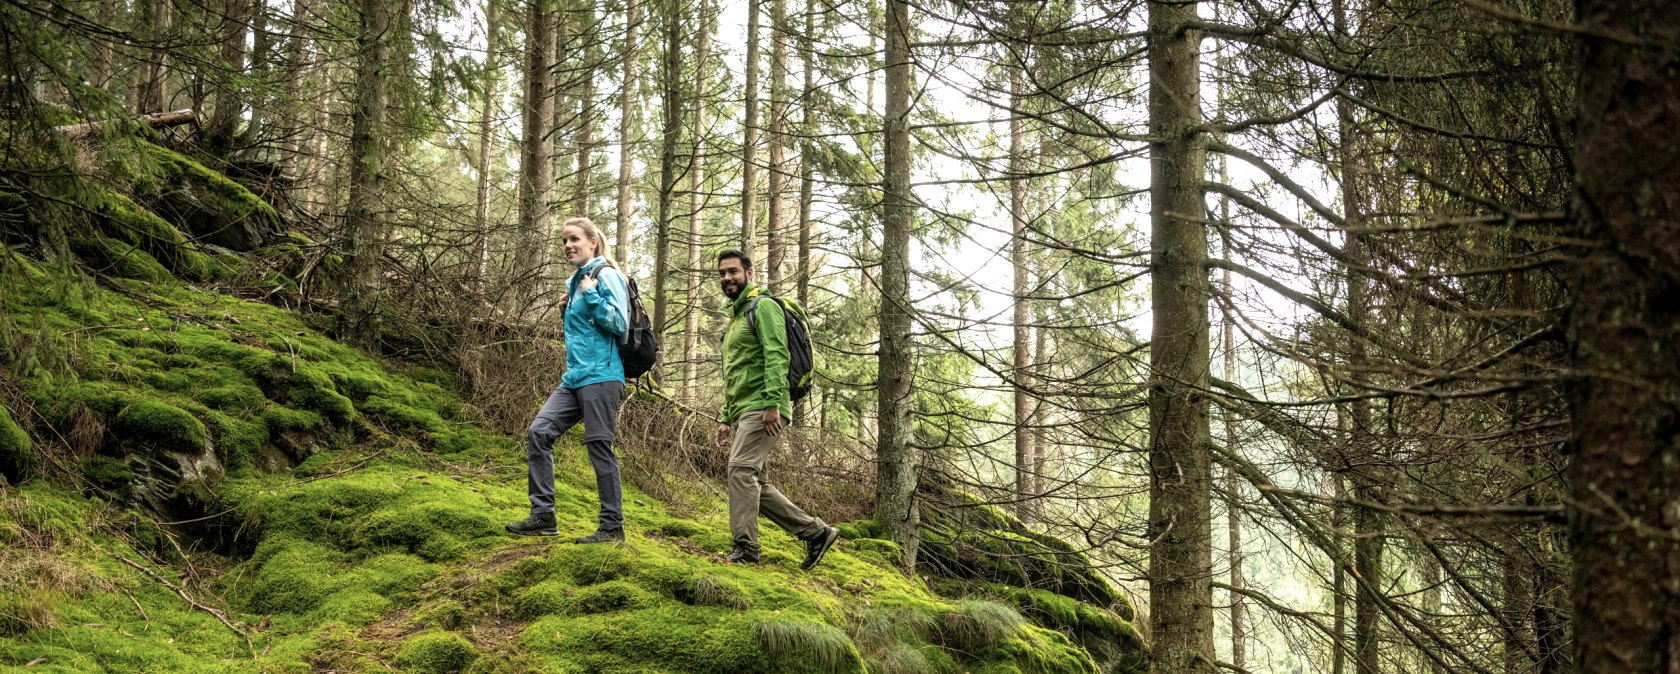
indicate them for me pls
(608, 303)
(772, 337)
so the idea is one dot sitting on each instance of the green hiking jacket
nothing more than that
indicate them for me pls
(755, 366)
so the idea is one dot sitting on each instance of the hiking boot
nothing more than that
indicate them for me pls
(818, 546)
(538, 524)
(742, 555)
(604, 536)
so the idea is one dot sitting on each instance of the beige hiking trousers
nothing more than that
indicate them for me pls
(750, 492)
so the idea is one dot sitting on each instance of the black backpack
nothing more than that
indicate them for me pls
(639, 349)
(801, 366)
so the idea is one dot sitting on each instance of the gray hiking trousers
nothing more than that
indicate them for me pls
(596, 405)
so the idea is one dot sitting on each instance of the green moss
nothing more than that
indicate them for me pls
(355, 608)
(445, 614)
(105, 472)
(278, 417)
(715, 590)
(435, 653)
(17, 454)
(676, 528)
(240, 398)
(669, 637)
(311, 389)
(159, 422)
(434, 530)
(292, 577)
(591, 564)
(119, 259)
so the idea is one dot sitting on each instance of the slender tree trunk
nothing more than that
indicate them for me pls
(1233, 491)
(290, 110)
(586, 119)
(1022, 366)
(673, 99)
(364, 215)
(1623, 334)
(749, 144)
(536, 166)
(486, 138)
(157, 18)
(261, 67)
(807, 130)
(1181, 484)
(99, 62)
(696, 205)
(627, 134)
(896, 472)
(230, 99)
(1338, 638)
(776, 228)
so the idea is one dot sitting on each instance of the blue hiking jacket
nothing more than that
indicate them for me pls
(595, 320)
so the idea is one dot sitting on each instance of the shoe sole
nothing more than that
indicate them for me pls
(548, 532)
(834, 537)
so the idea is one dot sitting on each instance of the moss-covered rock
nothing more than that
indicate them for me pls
(17, 454)
(158, 422)
(110, 256)
(435, 653)
(207, 204)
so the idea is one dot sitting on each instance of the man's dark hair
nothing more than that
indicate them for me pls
(746, 262)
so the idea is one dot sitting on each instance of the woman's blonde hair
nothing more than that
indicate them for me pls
(594, 234)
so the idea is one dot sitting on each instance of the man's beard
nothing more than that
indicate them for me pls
(731, 290)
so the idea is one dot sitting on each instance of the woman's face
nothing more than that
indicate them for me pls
(579, 248)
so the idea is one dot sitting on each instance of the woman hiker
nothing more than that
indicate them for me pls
(596, 315)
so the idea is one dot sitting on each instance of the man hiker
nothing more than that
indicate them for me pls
(756, 407)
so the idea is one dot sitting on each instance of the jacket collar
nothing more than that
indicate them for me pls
(752, 290)
(588, 267)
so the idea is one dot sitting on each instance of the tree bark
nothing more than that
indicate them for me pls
(626, 132)
(749, 143)
(157, 18)
(230, 98)
(536, 165)
(1623, 336)
(99, 66)
(586, 122)
(486, 139)
(776, 227)
(364, 217)
(897, 457)
(1181, 482)
(1018, 253)
(673, 99)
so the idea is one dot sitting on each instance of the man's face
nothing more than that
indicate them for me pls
(732, 277)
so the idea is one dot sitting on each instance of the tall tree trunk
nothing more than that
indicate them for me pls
(696, 206)
(627, 133)
(586, 119)
(99, 66)
(1022, 366)
(1181, 482)
(776, 228)
(1623, 334)
(536, 166)
(749, 143)
(807, 130)
(261, 67)
(364, 215)
(157, 18)
(673, 99)
(1233, 491)
(230, 97)
(486, 139)
(897, 457)
(1339, 595)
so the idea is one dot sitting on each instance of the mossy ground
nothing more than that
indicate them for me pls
(376, 542)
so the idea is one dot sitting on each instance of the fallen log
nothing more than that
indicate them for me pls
(156, 120)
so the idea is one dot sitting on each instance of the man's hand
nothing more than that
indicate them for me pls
(772, 421)
(720, 437)
(588, 283)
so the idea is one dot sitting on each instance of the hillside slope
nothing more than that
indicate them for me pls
(210, 484)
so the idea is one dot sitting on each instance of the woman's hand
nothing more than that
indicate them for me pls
(588, 283)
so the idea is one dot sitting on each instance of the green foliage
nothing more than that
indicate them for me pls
(435, 653)
(714, 590)
(591, 564)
